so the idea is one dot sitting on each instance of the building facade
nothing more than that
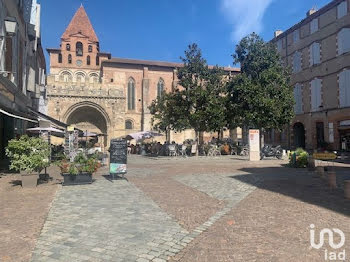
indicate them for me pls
(22, 68)
(91, 90)
(317, 50)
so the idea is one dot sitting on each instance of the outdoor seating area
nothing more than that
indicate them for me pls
(188, 148)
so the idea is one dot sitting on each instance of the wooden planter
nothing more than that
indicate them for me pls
(29, 181)
(79, 179)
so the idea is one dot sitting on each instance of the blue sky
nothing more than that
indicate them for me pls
(162, 29)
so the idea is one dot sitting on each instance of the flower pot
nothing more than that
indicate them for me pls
(78, 179)
(29, 181)
(347, 189)
(332, 179)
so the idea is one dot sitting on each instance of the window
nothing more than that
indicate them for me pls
(344, 88)
(296, 62)
(80, 77)
(128, 124)
(88, 60)
(343, 41)
(316, 87)
(342, 9)
(93, 78)
(279, 45)
(160, 87)
(314, 26)
(296, 36)
(69, 59)
(298, 106)
(79, 49)
(97, 60)
(59, 58)
(66, 76)
(68, 47)
(315, 57)
(131, 94)
(90, 48)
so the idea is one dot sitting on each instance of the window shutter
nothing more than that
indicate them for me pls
(346, 40)
(314, 26)
(313, 97)
(347, 87)
(319, 89)
(298, 99)
(342, 9)
(316, 53)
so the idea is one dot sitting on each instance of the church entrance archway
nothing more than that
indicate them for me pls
(89, 117)
(299, 135)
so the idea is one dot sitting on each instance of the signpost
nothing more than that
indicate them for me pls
(254, 145)
(324, 156)
(118, 157)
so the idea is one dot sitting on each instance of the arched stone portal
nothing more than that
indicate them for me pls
(90, 117)
(299, 135)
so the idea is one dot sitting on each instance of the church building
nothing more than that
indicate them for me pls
(93, 91)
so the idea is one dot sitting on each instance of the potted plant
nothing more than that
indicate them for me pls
(79, 171)
(30, 155)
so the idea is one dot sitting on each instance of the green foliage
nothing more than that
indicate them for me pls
(261, 96)
(29, 154)
(300, 159)
(81, 163)
(198, 102)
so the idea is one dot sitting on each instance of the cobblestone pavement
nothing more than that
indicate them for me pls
(107, 221)
(192, 210)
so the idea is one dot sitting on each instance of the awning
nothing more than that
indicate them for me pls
(16, 115)
(53, 121)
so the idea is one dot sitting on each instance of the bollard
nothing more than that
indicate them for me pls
(311, 163)
(332, 179)
(347, 189)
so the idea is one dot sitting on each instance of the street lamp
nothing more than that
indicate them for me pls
(10, 26)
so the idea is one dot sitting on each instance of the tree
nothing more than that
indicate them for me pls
(261, 96)
(199, 100)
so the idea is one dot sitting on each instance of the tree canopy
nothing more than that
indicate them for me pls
(197, 102)
(261, 96)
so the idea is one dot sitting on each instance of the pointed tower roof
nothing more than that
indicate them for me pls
(80, 24)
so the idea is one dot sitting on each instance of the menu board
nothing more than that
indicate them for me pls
(118, 156)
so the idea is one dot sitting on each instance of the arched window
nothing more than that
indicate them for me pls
(90, 48)
(60, 58)
(80, 77)
(88, 60)
(97, 60)
(68, 47)
(69, 59)
(66, 76)
(79, 49)
(160, 87)
(128, 124)
(93, 78)
(131, 94)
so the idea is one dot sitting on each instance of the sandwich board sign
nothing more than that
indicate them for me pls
(118, 157)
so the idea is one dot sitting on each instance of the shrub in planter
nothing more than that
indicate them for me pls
(298, 158)
(28, 154)
(80, 171)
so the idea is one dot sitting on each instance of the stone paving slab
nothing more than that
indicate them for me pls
(222, 186)
(106, 221)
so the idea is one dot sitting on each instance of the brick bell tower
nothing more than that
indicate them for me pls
(80, 48)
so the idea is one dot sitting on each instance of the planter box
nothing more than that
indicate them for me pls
(79, 179)
(29, 181)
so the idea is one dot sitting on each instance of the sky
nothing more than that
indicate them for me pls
(162, 29)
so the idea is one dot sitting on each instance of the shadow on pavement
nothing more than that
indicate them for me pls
(299, 184)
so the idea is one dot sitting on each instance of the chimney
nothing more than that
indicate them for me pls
(311, 11)
(278, 32)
